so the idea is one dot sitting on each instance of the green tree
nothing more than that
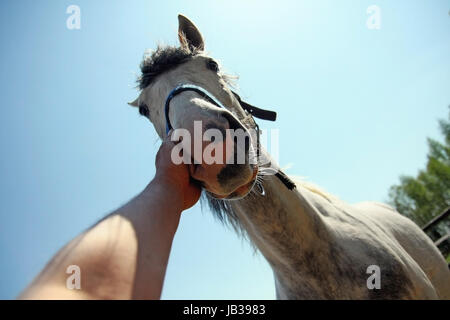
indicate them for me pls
(423, 197)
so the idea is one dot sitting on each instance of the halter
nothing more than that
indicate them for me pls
(252, 111)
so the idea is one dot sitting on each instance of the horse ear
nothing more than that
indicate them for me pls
(188, 34)
(134, 103)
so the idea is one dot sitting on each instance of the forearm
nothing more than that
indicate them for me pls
(155, 217)
(123, 256)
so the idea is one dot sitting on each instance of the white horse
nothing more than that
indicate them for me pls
(318, 246)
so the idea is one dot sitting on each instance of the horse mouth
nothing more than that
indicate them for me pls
(240, 192)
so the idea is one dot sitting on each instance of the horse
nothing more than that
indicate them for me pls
(318, 246)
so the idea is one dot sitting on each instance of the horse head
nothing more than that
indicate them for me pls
(213, 111)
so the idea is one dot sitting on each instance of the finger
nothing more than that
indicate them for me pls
(172, 139)
(167, 141)
(168, 137)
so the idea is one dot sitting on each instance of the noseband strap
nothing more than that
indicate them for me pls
(187, 87)
(254, 111)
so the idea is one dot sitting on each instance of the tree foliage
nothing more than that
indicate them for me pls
(425, 196)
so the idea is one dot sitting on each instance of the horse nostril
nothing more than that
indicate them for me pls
(232, 121)
(239, 133)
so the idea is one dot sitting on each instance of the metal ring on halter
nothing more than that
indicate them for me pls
(260, 188)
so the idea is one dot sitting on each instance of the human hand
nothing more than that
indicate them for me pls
(175, 177)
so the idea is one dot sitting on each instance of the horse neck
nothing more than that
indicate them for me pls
(282, 224)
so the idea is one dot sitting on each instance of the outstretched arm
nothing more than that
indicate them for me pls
(125, 255)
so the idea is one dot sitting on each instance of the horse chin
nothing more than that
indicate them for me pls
(237, 194)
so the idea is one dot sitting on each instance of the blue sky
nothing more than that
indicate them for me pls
(354, 109)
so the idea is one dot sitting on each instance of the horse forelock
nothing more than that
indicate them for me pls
(163, 59)
(166, 58)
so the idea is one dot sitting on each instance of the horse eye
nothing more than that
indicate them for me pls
(212, 65)
(143, 110)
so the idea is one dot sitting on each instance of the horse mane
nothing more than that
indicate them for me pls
(223, 211)
(162, 59)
